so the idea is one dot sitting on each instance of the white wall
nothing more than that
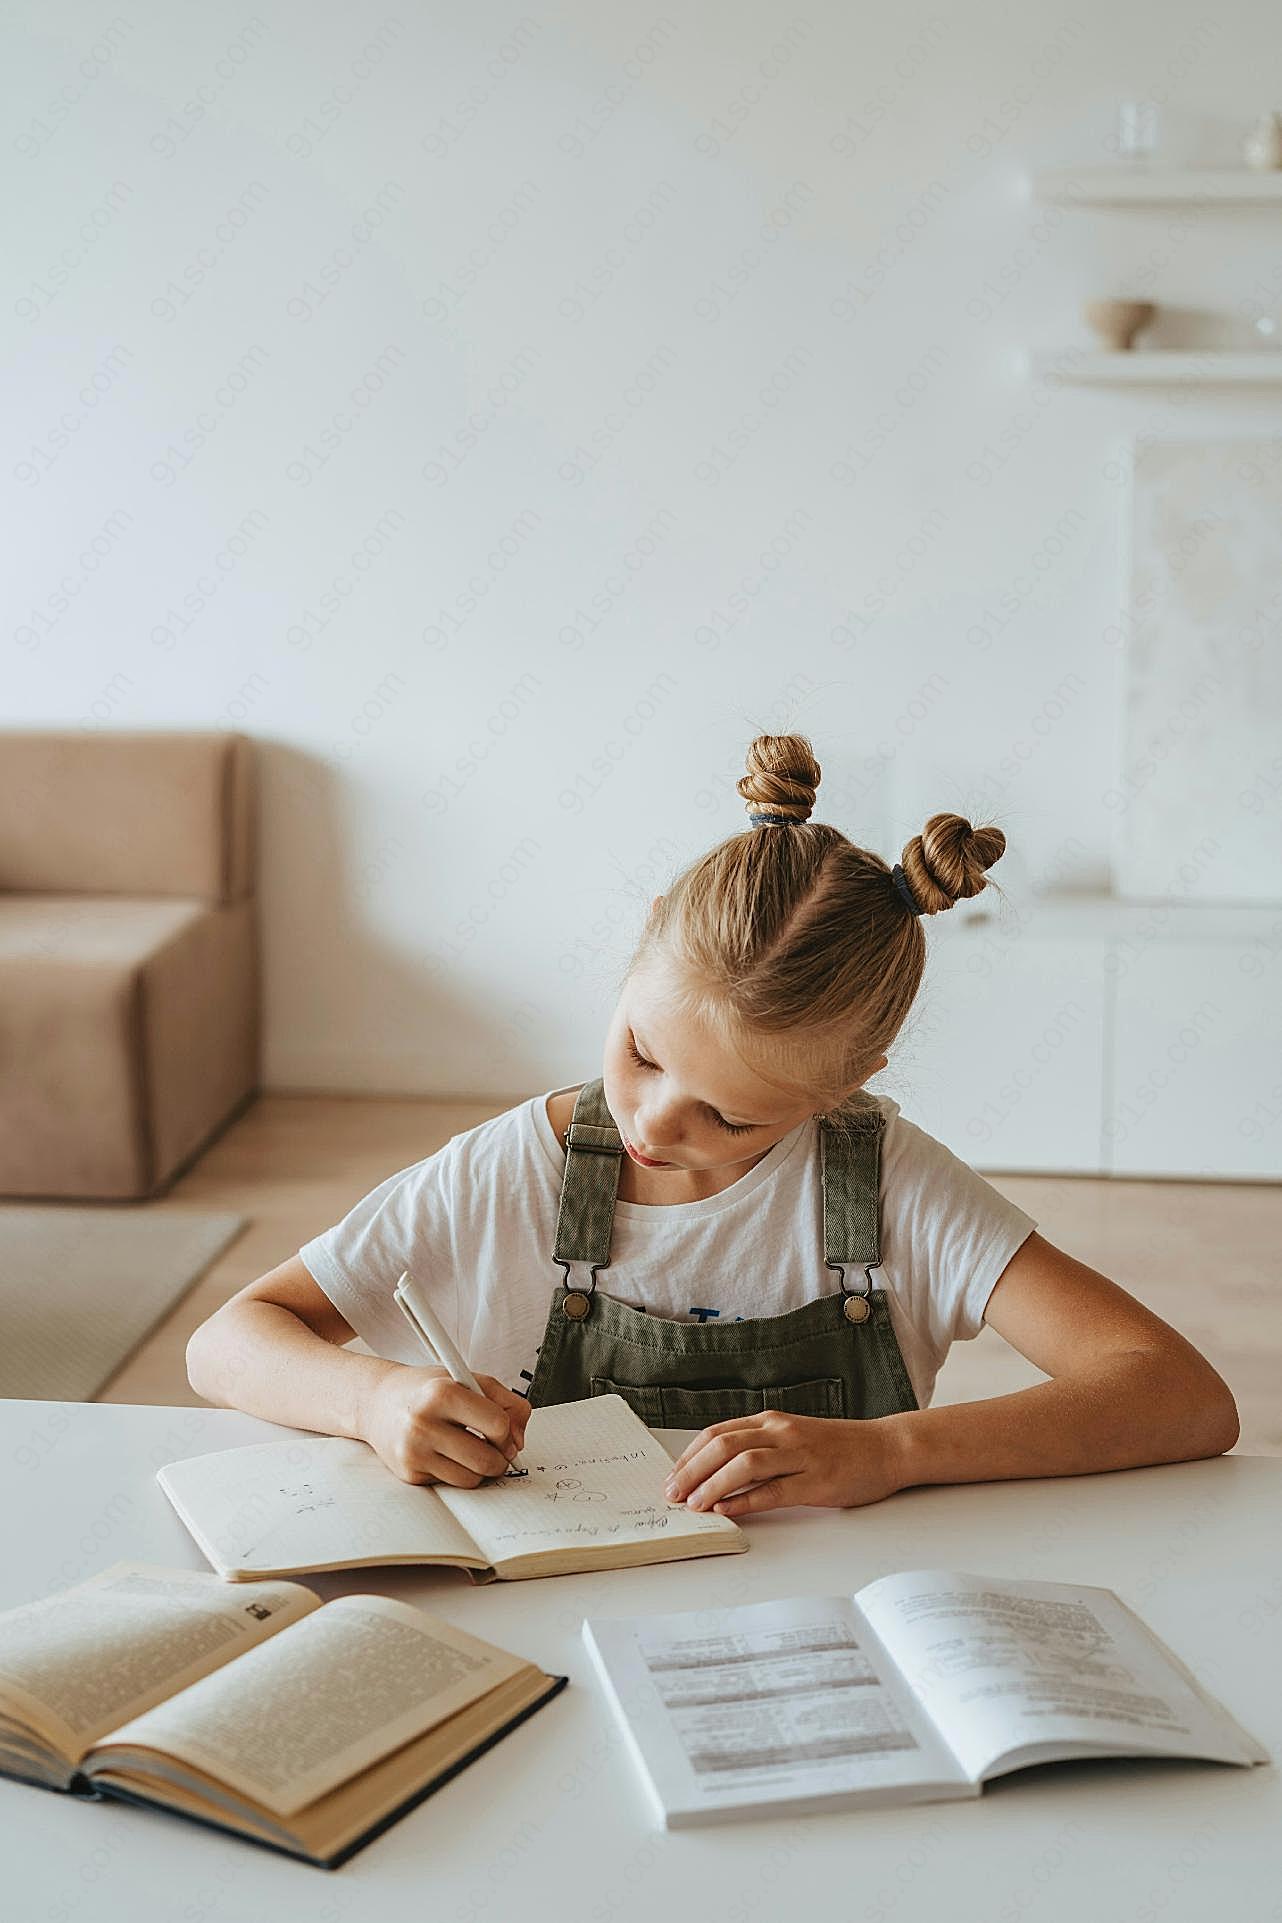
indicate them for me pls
(502, 415)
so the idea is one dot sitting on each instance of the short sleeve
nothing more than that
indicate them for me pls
(953, 1233)
(404, 1223)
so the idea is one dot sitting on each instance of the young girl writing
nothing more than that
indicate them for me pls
(727, 1228)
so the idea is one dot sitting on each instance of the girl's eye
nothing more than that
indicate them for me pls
(731, 1128)
(640, 1060)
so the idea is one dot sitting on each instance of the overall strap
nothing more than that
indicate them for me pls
(593, 1157)
(850, 1152)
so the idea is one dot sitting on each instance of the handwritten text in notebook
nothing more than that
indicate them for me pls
(580, 1484)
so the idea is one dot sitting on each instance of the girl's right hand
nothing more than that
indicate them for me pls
(417, 1421)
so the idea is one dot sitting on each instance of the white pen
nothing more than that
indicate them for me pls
(436, 1341)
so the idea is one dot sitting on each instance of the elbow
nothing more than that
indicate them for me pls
(199, 1359)
(1207, 1423)
(1217, 1411)
(1228, 1423)
(1220, 1410)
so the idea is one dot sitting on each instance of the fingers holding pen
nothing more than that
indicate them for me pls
(517, 1408)
(480, 1404)
(420, 1423)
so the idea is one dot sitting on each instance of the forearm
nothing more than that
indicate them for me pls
(261, 1358)
(1136, 1409)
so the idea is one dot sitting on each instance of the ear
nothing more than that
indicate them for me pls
(882, 1062)
(874, 1070)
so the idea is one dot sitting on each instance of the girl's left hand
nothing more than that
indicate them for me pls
(830, 1463)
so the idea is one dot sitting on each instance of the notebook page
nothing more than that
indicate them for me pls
(1001, 1664)
(351, 1683)
(595, 1475)
(306, 1502)
(110, 1647)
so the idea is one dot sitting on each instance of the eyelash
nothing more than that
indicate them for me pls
(731, 1128)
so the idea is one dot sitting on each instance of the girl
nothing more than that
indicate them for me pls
(740, 1189)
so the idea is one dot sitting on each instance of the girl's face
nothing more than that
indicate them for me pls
(679, 1099)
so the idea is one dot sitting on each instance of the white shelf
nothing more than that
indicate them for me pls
(1158, 186)
(1155, 367)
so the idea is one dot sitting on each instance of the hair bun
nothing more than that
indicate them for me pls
(945, 863)
(783, 776)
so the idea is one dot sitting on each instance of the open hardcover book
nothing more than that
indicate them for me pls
(306, 1726)
(921, 1687)
(590, 1497)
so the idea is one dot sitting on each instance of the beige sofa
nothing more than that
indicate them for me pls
(129, 1028)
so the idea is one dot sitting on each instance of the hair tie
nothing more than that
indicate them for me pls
(768, 821)
(900, 880)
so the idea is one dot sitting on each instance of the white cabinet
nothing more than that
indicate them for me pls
(1006, 1056)
(1196, 1085)
(1088, 1035)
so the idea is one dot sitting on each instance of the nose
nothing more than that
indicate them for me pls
(652, 1134)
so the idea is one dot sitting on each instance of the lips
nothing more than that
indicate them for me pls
(644, 1160)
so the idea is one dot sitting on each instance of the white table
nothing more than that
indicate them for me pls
(552, 1823)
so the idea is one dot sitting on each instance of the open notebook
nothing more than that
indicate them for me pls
(305, 1726)
(921, 1687)
(592, 1498)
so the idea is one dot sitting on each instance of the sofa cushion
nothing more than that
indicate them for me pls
(135, 813)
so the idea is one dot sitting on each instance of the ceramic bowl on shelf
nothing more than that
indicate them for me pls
(1117, 322)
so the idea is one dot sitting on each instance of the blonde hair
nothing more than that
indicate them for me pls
(793, 944)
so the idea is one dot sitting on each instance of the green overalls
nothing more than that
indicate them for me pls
(835, 1356)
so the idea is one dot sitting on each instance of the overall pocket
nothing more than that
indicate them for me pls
(668, 1406)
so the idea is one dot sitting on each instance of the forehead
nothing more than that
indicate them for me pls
(694, 1053)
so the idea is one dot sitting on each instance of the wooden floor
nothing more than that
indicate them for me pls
(1204, 1256)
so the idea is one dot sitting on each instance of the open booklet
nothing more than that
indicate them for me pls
(303, 1725)
(591, 1497)
(921, 1687)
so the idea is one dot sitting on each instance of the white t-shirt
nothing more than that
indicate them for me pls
(476, 1222)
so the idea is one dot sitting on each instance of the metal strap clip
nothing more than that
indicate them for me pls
(856, 1303)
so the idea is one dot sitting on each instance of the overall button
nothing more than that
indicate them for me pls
(856, 1308)
(576, 1305)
